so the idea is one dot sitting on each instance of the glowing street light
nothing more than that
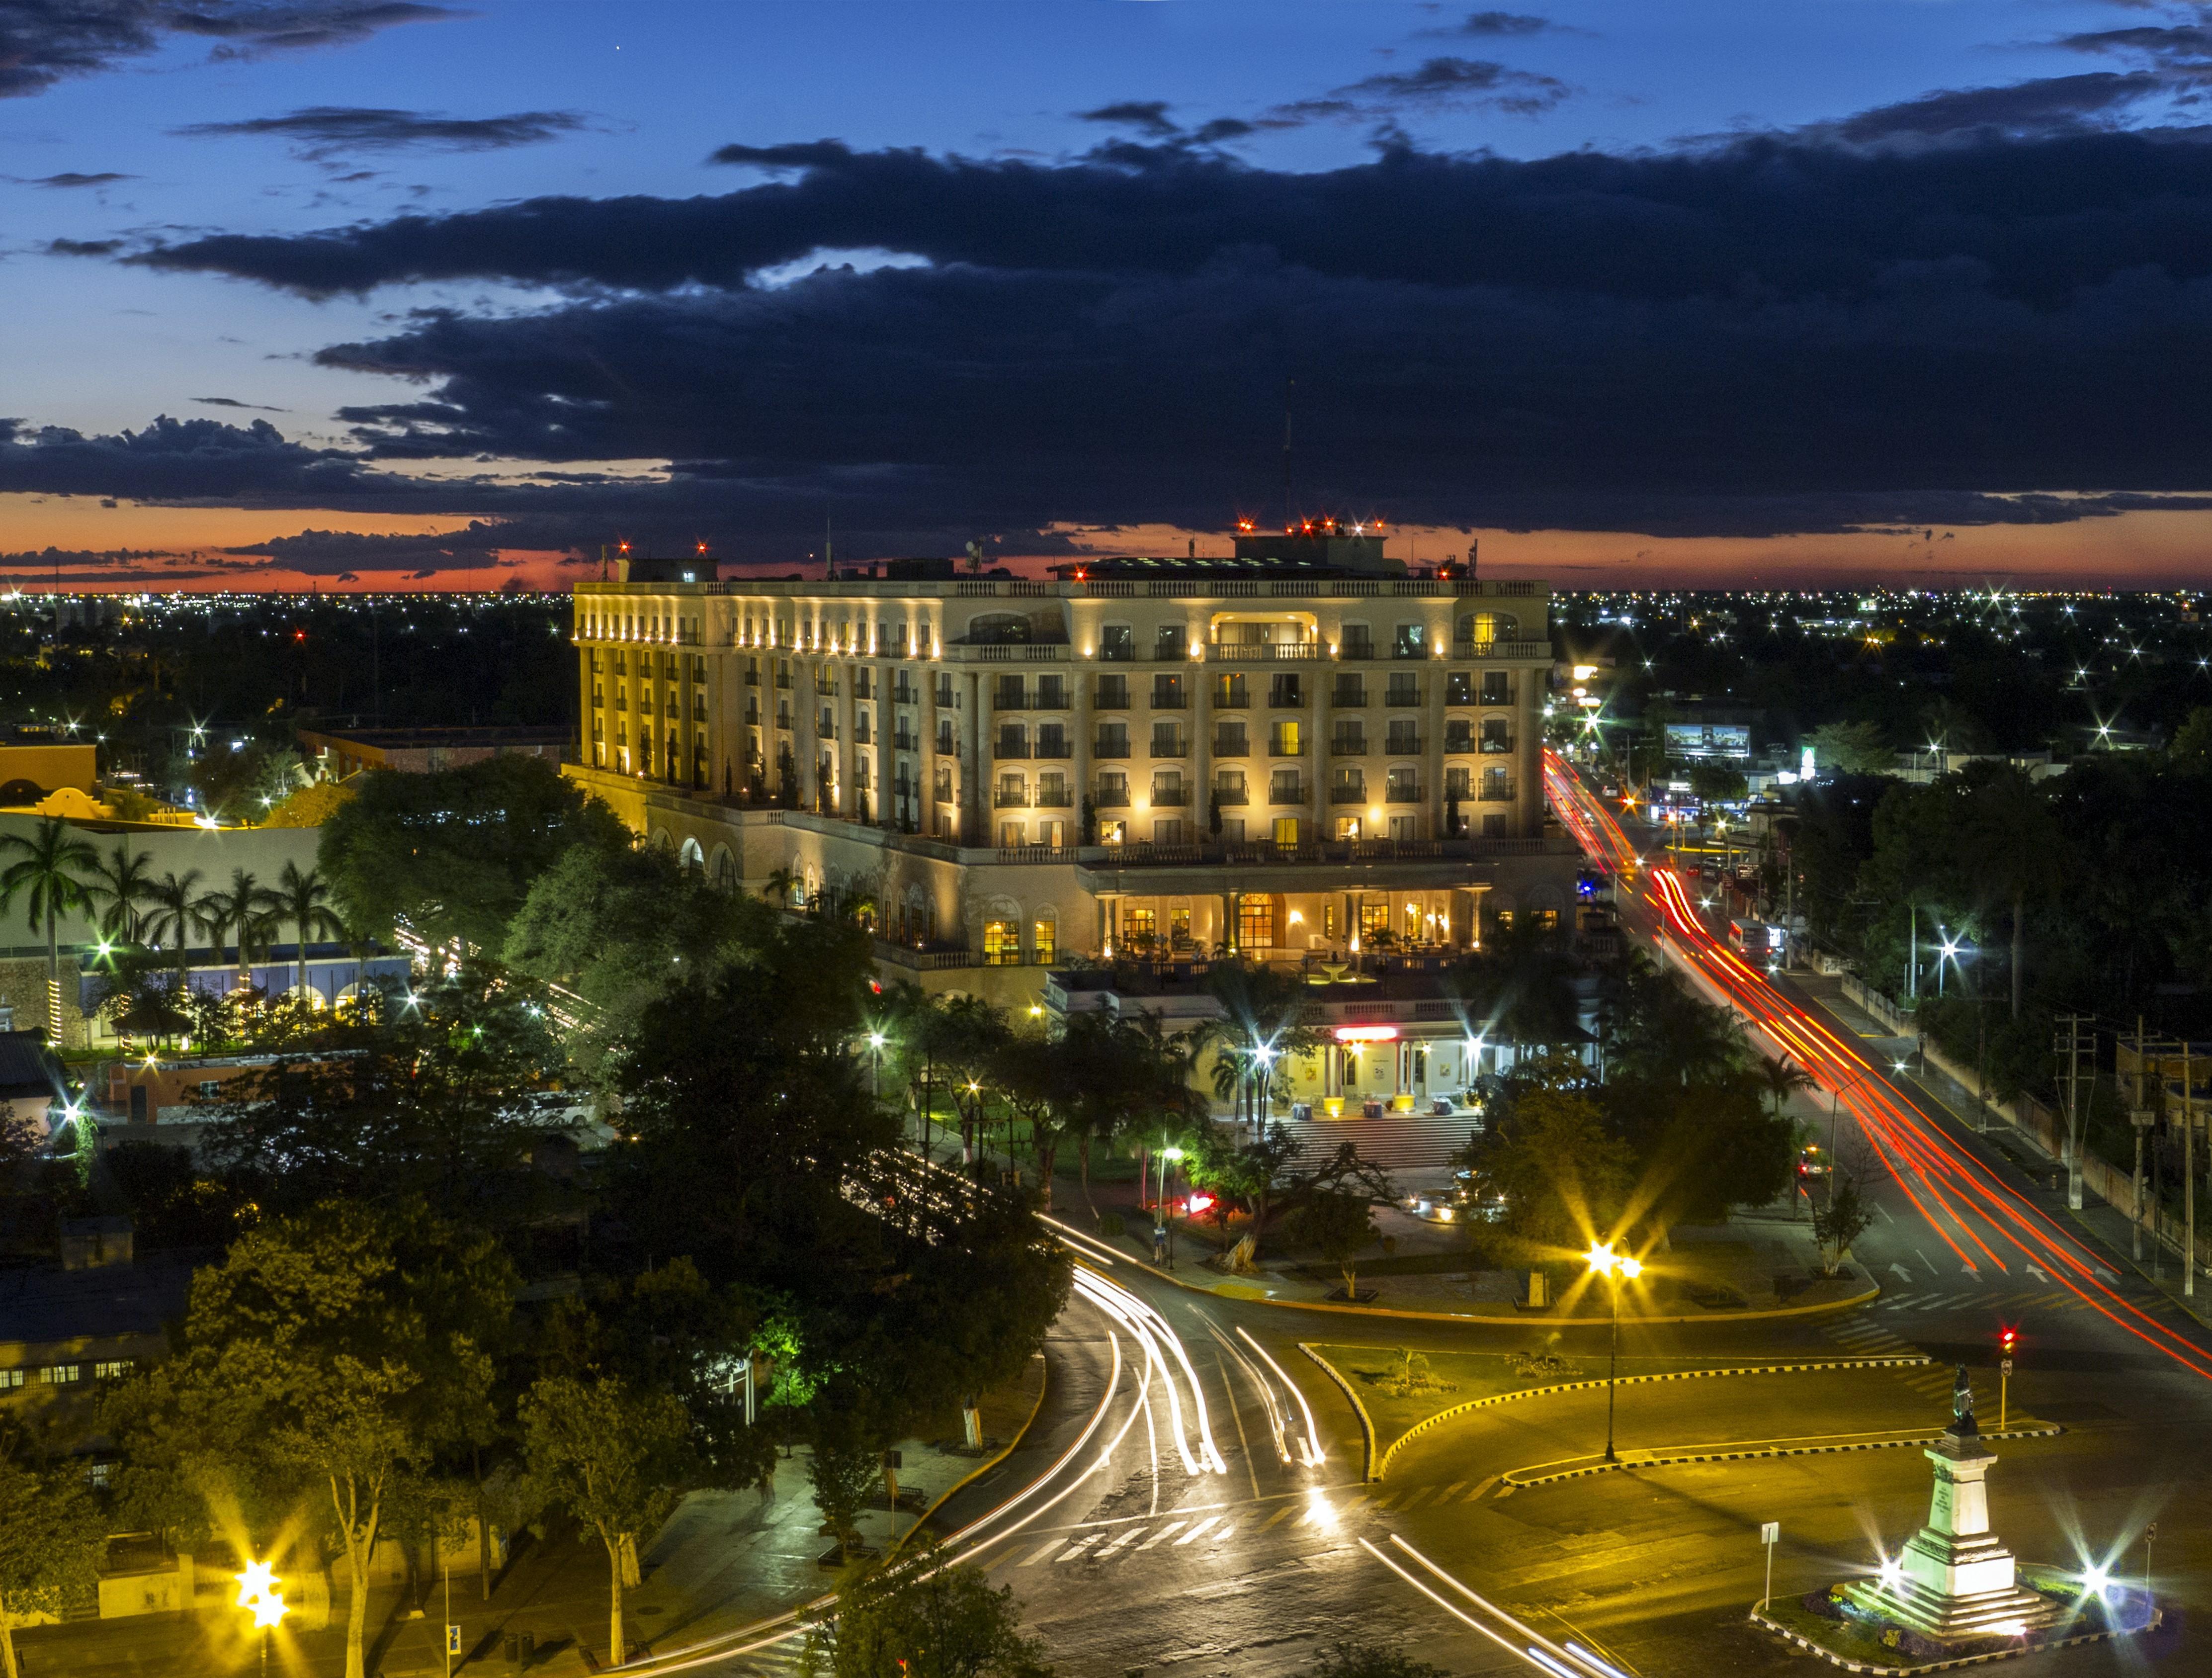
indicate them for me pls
(259, 1595)
(1616, 1268)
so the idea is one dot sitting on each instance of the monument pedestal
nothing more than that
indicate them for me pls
(1954, 1579)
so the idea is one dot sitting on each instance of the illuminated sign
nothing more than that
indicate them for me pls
(1367, 1034)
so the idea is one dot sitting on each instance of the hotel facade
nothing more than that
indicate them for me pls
(1305, 753)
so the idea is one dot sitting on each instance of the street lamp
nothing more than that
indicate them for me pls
(1615, 1267)
(876, 1064)
(258, 1594)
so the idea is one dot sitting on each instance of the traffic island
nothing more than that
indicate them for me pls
(1954, 1595)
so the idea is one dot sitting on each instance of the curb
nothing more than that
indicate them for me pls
(1371, 1471)
(1522, 1320)
(1518, 1479)
(2158, 1618)
(981, 1469)
(1473, 1404)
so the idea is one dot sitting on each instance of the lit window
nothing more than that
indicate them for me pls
(60, 1375)
(1002, 943)
(10, 1379)
(1043, 942)
(114, 1371)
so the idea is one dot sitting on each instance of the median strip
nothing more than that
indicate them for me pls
(1550, 1474)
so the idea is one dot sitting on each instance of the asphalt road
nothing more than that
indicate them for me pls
(1192, 1499)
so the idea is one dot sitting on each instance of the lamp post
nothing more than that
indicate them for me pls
(876, 1064)
(1615, 1267)
(258, 1594)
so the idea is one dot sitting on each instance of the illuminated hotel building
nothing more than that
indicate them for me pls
(1292, 754)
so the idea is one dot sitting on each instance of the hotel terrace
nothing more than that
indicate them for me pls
(1307, 752)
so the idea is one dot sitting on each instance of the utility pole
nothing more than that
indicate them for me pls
(2140, 1117)
(2070, 1047)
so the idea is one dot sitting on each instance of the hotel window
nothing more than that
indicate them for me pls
(1359, 641)
(1405, 785)
(1179, 929)
(1256, 922)
(1002, 943)
(1498, 734)
(10, 1379)
(1286, 833)
(1455, 784)
(944, 742)
(1401, 739)
(1229, 786)
(1284, 689)
(1113, 832)
(1168, 741)
(1169, 640)
(1012, 695)
(1012, 835)
(61, 1375)
(1168, 831)
(1112, 788)
(1284, 786)
(1350, 740)
(1052, 693)
(1113, 693)
(1350, 691)
(1458, 735)
(1405, 688)
(944, 783)
(1349, 787)
(1286, 739)
(1374, 919)
(1167, 692)
(1229, 739)
(945, 689)
(1113, 739)
(1459, 688)
(1140, 929)
(1117, 643)
(1496, 687)
(1044, 941)
(114, 1371)
(1229, 692)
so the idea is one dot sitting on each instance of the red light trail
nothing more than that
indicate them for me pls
(1961, 1187)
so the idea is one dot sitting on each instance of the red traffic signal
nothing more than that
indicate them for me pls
(2008, 1339)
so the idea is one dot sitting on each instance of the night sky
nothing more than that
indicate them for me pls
(374, 293)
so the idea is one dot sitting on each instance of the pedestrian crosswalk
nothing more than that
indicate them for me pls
(1982, 1298)
(1862, 1339)
(1196, 1534)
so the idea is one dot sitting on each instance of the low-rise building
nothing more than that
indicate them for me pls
(342, 752)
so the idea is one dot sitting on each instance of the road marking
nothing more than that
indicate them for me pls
(2104, 1275)
(1077, 1547)
(1164, 1533)
(1407, 1508)
(1975, 1273)
(1472, 1496)
(1378, 1504)
(1444, 1496)
(1040, 1553)
(2036, 1271)
(1288, 1509)
(1885, 1215)
(1196, 1531)
(1130, 1537)
(1930, 1262)
(1901, 1273)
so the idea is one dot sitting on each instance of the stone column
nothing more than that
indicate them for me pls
(848, 745)
(1316, 764)
(925, 801)
(886, 804)
(1201, 748)
(1080, 764)
(975, 812)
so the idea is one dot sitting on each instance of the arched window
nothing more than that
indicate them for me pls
(724, 869)
(692, 856)
(1481, 628)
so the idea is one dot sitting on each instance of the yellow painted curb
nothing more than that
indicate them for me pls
(1491, 1400)
(1526, 1319)
(1371, 1470)
(980, 1468)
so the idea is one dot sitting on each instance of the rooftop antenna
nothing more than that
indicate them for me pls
(1290, 516)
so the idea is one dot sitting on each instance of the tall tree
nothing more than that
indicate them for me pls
(342, 1350)
(616, 1457)
(176, 916)
(303, 900)
(453, 853)
(924, 1619)
(246, 912)
(117, 885)
(48, 872)
(50, 1537)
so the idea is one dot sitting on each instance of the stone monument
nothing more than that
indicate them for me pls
(1954, 1579)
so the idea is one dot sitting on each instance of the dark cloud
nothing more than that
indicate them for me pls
(337, 553)
(83, 247)
(1435, 84)
(2053, 105)
(1773, 334)
(43, 42)
(1490, 26)
(69, 178)
(233, 402)
(172, 459)
(1148, 117)
(328, 131)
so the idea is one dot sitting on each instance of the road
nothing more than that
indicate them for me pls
(1192, 1501)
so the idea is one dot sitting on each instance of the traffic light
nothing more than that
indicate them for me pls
(2007, 1341)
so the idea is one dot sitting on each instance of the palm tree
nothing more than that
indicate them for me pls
(176, 914)
(1782, 1079)
(300, 899)
(49, 867)
(249, 909)
(119, 883)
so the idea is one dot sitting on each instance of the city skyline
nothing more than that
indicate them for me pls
(335, 294)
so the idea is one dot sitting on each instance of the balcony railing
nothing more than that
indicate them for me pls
(1005, 748)
(1007, 801)
(1054, 748)
(1495, 791)
(1173, 798)
(1170, 701)
(1496, 748)
(1403, 792)
(1263, 652)
(1048, 799)
(1279, 747)
(1231, 797)
(1347, 795)
(1522, 646)
(1110, 749)
(1232, 747)
(1170, 748)
(1295, 795)
(1402, 746)
(1112, 797)
(1348, 745)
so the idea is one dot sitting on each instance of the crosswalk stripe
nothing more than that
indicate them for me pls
(1042, 1552)
(1128, 1537)
(1165, 1532)
(1444, 1496)
(1378, 1504)
(1196, 1530)
(1478, 1492)
(1407, 1508)
(1288, 1509)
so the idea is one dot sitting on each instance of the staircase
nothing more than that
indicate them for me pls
(1396, 1141)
